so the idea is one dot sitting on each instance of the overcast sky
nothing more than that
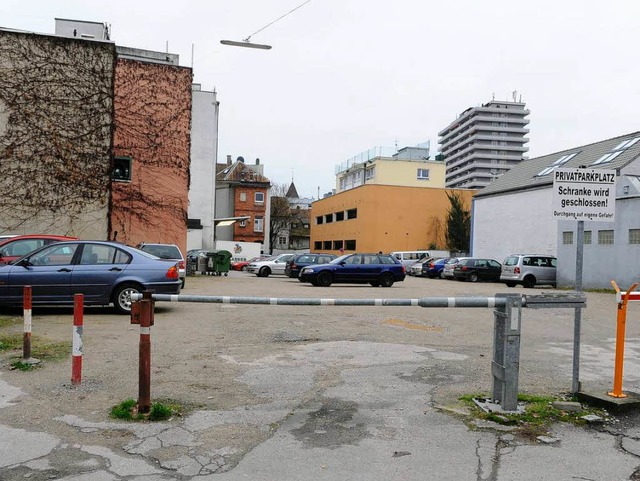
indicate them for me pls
(344, 76)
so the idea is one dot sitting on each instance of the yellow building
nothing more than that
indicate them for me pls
(406, 167)
(372, 218)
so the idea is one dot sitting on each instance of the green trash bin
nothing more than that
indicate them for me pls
(212, 262)
(223, 262)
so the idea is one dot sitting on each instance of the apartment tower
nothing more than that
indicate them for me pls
(484, 143)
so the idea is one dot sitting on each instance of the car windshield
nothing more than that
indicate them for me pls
(511, 261)
(163, 251)
(338, 260)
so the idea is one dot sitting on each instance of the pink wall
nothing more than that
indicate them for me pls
(152, 122)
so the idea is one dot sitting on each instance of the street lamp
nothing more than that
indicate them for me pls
(245, 43)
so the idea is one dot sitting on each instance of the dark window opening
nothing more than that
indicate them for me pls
(326, 245)
(352, 214)
(121, 169)
(339, 216)
(350, 245)
(319, 219)
(317, 245)
(328, 218)
(337, 245)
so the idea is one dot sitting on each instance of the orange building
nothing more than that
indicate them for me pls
(151, 152)
(372, 218)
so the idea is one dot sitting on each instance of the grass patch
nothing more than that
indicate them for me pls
(40, 348)
(8, 321)
(538, 416)
(160, 411)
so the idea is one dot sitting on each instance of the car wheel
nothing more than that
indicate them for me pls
(325, 279)
(510, 284)
(442, 276)
(529, 281)
(300, 279)
(122, 297)
(264, 272)
(386, 280)
(243, 268)
(473, 277)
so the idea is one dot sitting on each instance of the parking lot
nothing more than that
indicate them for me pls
(254, 366)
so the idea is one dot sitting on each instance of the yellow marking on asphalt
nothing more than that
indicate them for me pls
(409, 325)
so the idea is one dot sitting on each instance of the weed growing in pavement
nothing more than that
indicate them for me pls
(160, 411)
(8, 321)
(41, 349)
(538, 416)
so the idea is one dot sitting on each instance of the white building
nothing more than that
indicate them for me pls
(483, 143)
(204, 155)
(515, 215)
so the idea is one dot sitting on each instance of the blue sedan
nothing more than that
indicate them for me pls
(375, 269)
(105, 272)
(434, 268)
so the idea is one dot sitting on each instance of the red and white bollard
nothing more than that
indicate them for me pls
(76, 359)
(26, 338)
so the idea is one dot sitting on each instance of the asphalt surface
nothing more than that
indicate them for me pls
(314, 393)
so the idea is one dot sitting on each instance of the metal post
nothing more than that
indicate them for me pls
(144, 374)
(506, 352)
(27, 310)
(577, 320)
(76, 358)
(620, 337)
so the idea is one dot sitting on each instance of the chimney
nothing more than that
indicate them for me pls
(257, 161)
(228, 160)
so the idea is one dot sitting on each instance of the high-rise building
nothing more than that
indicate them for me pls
(484, 143)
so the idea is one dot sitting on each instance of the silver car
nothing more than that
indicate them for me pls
(447, 272)
(272, 265)
(529, 270)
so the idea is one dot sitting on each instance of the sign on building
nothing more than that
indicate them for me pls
(584, 194)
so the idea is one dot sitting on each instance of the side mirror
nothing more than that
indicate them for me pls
(23, 262)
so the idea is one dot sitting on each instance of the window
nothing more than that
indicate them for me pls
(326, 245)
(328, 218)
(634, 236)
(605, 237)
(350, 245)
(339, 216)
(99, 254)
(567, 238)
(587, 237)
(55, 255)
(370, 173)
(258, 224)
(242, 223)
(259, 198)
(561, 161)
(423, 174)
(243, 196)
(121, 169)
(317, 245)
(337, 245)
(352, 214)
(607, 157)
(319, 219)
(282, 240)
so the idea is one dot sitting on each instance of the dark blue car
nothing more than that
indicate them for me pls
(375, 269)
(105, 272)
(434, 269)
(297, 263)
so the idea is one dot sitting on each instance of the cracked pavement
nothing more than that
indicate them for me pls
(310, 398)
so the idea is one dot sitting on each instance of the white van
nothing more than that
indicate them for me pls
(409, 257)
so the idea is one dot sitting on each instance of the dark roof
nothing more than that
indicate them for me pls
(239, 172)
(292, 193)
(525, 175)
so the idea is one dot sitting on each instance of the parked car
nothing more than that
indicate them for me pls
(169, 252)
(271, 265)
(434, 268)
(474, 269)
(407, 258)
(296, 263)
(529, 270)
(15, 247)
(450, 265)
(105, 272)
(242, 265)
(375, 269)
(416, 268)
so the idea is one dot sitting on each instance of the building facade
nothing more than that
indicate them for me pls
(483, 143)
(241, 191)
(409, 166)
(515, 215)
(204, 154)
(372, 218)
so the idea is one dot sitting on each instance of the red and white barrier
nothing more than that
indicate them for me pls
(27, 313)
(76, 359)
